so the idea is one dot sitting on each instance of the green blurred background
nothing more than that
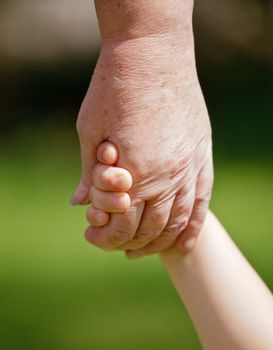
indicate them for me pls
(58, 292)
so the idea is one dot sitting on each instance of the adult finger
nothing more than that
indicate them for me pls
(81, 194)
(89, 141)
(153, 222)
(178, 220)
(187, 239)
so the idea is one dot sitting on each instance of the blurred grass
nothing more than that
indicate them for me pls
(58, 292)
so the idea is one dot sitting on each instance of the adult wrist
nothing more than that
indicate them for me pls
(148, 63)
(124, 19)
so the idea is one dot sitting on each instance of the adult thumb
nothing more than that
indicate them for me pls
(89, 160)
(107, 154)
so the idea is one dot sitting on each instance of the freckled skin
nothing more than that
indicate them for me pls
(145, 97)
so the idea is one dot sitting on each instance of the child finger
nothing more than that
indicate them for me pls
(112, 179)
(107, 153)
(96, 217)
(111, 202)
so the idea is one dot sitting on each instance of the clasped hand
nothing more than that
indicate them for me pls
(148, 103)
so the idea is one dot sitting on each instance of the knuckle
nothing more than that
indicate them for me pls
(119, 237)
(83, 117)
(201, 207)
(146, 237)
(183, 207)
(194, 228)
(79, 125)
(165, 241)
(175, 227)
(156, 223)
(204, 198)
(142, 239)
(161, 243)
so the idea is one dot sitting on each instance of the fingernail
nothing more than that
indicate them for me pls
(73, 201)
(189, 243)
(79, 196)
(121, 202)
(120, 181)
(100, 217)
(108, 155)
(88, 233)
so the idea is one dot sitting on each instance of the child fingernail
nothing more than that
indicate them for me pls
(100, 217)
(121, 202)
(73, 201)
(120, 181)
(80, 195)
(108, 155)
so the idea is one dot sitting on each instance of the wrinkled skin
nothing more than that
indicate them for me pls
(145, 98)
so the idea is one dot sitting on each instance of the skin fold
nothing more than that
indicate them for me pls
(145, 96)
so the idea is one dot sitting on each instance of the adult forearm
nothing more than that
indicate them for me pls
(148, 42)
(227, 301)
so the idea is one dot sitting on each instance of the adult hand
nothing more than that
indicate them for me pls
(145, 98)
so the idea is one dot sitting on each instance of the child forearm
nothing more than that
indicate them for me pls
(229, 304)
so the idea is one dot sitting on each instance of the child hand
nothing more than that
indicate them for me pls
(110, 186)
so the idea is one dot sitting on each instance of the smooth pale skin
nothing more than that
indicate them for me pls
(109, 183)
(230, 306)
(145, 96)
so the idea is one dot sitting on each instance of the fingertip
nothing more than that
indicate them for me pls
(107, 153)
(186, 245)
(128, 181)
(189, 244)
(80, 196)
(73, 201)
(102, 218)
(131, 255)
(88, 234)
(122, 201)
(97, 218)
